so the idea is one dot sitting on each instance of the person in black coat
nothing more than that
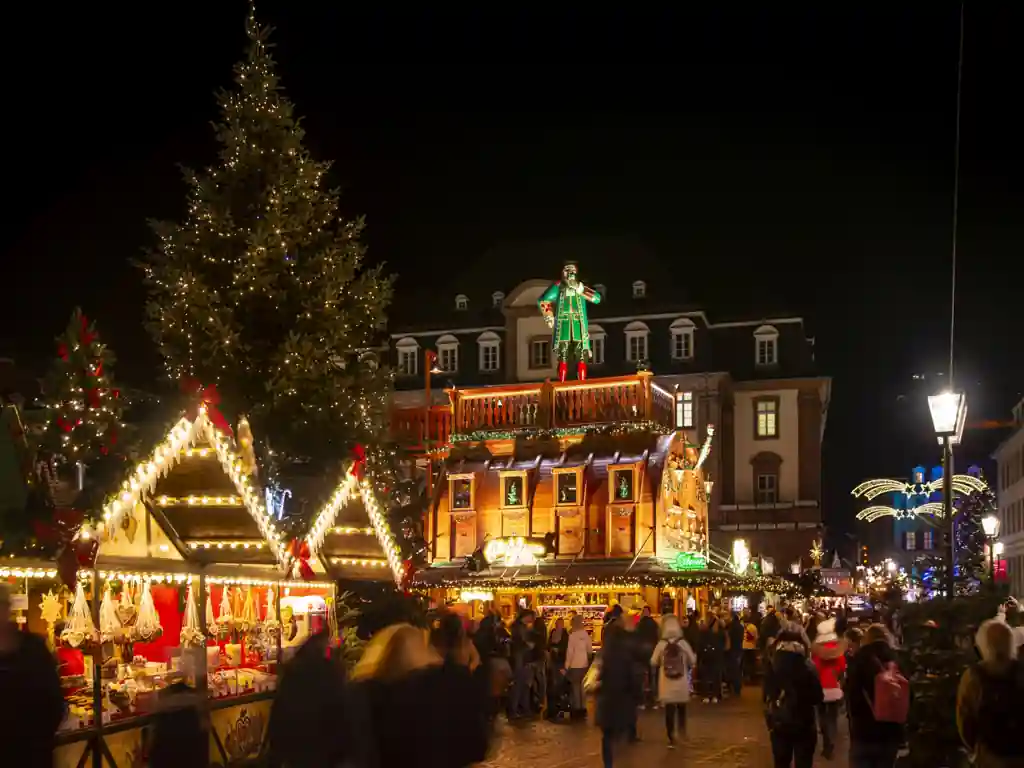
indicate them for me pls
(647, 638)
(870, 740)
(792, 692)
(713, 660)
(770, 626)
(618, 692)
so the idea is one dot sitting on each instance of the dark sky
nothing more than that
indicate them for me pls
(796, 159)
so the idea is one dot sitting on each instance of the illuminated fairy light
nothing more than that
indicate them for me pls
(383, 530)
(324, 521)
(229, 544)
(28, 573)
(961, 485)
(186, 578)
(369, 562)
(198, 501)
(871, 489)
(185, 434)
(347, 531)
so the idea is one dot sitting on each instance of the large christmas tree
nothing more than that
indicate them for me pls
(83, 405)
(262, 289)
(972, 564)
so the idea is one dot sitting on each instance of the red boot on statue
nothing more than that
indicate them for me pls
(563, 369)
(581, 371)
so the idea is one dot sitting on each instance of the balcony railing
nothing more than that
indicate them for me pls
(422, 428)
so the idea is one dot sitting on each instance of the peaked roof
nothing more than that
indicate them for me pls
(195, 500)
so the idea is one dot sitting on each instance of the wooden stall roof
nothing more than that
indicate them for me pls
(350, 549)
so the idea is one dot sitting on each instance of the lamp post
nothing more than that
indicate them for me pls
(990, 524)
(949, 411)
(997, 551)
(430, 368)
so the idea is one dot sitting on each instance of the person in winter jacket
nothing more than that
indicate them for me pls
(734, 653)
(770, 626)
(618, 692)
(989, 700)
(578, 654)
(872, 743)
(750, 637)
(673, 660)
(828, 655)
(792, 692)
(713, 660)
(647, 638)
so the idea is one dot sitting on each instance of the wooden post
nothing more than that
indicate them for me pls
(645, 387)
(97, 676)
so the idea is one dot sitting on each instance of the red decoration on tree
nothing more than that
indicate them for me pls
(209, 398)
(299, 550)
(62, 350)
(87, 336)
(359, 465)
(67, 566)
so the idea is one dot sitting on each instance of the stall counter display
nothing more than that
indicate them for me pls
(593, 616)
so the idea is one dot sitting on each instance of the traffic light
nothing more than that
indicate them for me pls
(864, 555)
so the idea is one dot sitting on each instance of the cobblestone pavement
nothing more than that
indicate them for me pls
(727, 735)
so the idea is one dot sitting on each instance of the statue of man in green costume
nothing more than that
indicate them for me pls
(564, 306)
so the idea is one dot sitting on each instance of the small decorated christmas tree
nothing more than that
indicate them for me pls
(971, 560)
(84, 406)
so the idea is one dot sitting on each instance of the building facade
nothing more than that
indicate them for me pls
(753, 379)
(1010, 494)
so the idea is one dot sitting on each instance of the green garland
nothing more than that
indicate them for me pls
(540, 433)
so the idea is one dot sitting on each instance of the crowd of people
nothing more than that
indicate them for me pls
(456, 678)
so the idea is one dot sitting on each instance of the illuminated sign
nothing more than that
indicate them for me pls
(740, 556)
(469, 595)
(689, 561)
(514, 550)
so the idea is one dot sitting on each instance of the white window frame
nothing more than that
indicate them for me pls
(910, 541)
(536, 344)
(487, 342)
(928, 539)
(766, 494)
(638, 332)
(682, 331)
(766, 346)
(461, 302)
(684, 410)
(497, 298)
(448, 353)
(639, 289)
(767, 428)
(597, 344)
(408, 356)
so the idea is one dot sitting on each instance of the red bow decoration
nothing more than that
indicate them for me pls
(359, 465)
(299, 550)
(210, 398)
(87, 336)
(61, 530)
(62, 350)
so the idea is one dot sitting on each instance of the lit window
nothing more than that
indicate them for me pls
(639, 289)
(911, 541)
(448, 353)
(461, 302)
(489, 344)
(766, 414)
(540, 353)
(684, 410)
(766, 343)
(408, 356)
(597, 337)
(461, 492)
(767, 489)
(636, 341)
(928, 540)
(682, 339)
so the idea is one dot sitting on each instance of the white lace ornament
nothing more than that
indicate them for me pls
(148, 626)
(248, 619)
(271, 625)
(226, 618)
(211, 625)
(79, 627)
(191, 636)
(110, 622)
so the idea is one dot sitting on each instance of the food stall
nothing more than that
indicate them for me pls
(191, 584)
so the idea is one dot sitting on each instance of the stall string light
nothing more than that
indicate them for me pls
(364, 561)
(186, 578)
(166, 455)
(230, 544)
(198, 501)
(28, 573)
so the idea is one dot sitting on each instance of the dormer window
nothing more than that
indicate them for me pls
(448, 353)
(639, 289)
(682, 339)
(461, 302)
(497, 298)
(766, 346)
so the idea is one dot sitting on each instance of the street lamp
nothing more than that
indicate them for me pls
(949, 412)
(990, 524)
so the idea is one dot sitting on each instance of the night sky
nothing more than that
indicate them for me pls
(794, 160)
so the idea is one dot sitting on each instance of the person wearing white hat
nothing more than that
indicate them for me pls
(829, 656)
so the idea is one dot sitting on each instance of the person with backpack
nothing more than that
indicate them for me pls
(988, 706)
(673, 660)
(877, 702)
(792, 692)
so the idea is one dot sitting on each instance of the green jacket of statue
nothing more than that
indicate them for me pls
(569, 307)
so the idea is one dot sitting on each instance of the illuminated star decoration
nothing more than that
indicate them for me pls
(817, 553)
(912, 499)
(49, 608)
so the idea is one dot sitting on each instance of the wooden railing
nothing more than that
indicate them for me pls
(422, 428)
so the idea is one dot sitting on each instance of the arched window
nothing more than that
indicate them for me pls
(461, 302)
(639, 289)
(766, 345)
(489, 344)
(448, 353)
(636, 341)
(682, 331)
(408, 354)
(597, 337)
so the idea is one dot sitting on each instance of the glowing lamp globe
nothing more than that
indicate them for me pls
(949, 411)
(990, 524)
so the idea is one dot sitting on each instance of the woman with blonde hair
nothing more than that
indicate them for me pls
(411, 695)
(988, 705)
